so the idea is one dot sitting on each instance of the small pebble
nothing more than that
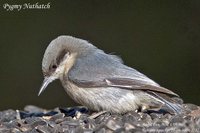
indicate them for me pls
(129, 126)
(44, 129)
(34, 109)
(177, 119)
(37, 120)
(156, 115)
(7, 115)
(190, 106)
(57, 116)
(112, 124)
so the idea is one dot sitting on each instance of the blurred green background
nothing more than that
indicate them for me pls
(159, 38)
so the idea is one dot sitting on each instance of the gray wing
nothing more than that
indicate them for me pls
(123, 83)
(98, 69)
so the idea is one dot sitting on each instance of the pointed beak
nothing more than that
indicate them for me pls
(45, 83)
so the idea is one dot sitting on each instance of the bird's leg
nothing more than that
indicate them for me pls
(145, 108)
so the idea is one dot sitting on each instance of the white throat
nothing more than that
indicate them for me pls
(66, 65)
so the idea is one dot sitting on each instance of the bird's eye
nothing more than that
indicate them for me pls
(54, 66)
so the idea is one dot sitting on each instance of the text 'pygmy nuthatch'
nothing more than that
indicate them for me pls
(101, 81)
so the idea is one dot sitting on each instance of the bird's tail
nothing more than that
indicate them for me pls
(169, 105)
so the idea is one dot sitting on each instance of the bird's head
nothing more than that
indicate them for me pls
(60, 56)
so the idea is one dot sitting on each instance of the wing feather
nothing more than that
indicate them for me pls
(124, 83)
(98, 69)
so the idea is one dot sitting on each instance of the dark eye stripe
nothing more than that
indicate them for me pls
(60, 56)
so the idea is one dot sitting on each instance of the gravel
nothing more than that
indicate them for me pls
(80, 120)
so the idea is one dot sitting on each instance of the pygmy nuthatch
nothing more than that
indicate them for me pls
(101, 81)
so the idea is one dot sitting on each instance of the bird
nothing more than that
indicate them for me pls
(101, 81)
